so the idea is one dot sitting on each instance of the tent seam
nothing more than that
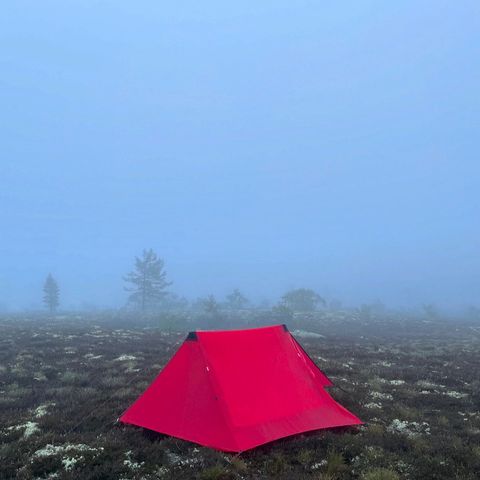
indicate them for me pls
(217, 390)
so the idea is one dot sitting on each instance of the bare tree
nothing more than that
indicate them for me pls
(147, 281)
(51, 293)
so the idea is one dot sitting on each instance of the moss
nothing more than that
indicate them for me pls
(305, 456)
(335, 464)
(43, 466)
(381, 474)
(239, 465)
(277, 464)
(217, 472)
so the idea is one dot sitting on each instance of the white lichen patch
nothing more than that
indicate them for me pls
(123, 358)
(381, 380)
(318, 465)
(305, 334)
(130, 369)
(178, 461)
(91, 356)
(454, 394)
(69, 462)
(131, 464)
(40, 377)
(161, 471)
(42, 410)
(29, 428)
(381, 396)
(75, 453)
(50, 450)
(126, 334)
(427, 384)
(373, 405)
(98, 335)
(384, 363)
(410, 429)
(397, 382)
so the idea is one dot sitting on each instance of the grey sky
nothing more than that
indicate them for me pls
(264, 145)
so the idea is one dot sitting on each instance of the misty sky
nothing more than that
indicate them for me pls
(260, 145)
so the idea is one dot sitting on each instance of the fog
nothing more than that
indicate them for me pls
(264, 146)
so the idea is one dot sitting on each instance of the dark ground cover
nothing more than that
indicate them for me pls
(64, 381)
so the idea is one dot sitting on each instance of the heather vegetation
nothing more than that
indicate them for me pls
(413, 380)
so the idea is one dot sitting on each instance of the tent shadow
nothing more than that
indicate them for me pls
(291, 440)
(153, 436)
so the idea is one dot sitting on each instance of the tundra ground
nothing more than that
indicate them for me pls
(65, 381)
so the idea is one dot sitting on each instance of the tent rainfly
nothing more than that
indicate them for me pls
(234, 390)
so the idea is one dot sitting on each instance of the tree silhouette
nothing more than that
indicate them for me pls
(148, 281)
(51, 293)
(210, 305)
(236, 300)
(302, 300)
(210, 311)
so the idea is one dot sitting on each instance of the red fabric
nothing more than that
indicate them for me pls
(235, 390)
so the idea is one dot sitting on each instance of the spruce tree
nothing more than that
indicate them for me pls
(51, 293)
(147, 281)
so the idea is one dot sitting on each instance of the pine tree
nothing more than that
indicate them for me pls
(211, 312)
(51, 293)
(210, 306)
(302, 300)
(148, 281)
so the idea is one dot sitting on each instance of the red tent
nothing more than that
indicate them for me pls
(235, 390)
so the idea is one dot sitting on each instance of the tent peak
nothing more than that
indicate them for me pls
(192, 336)
(234, 330)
